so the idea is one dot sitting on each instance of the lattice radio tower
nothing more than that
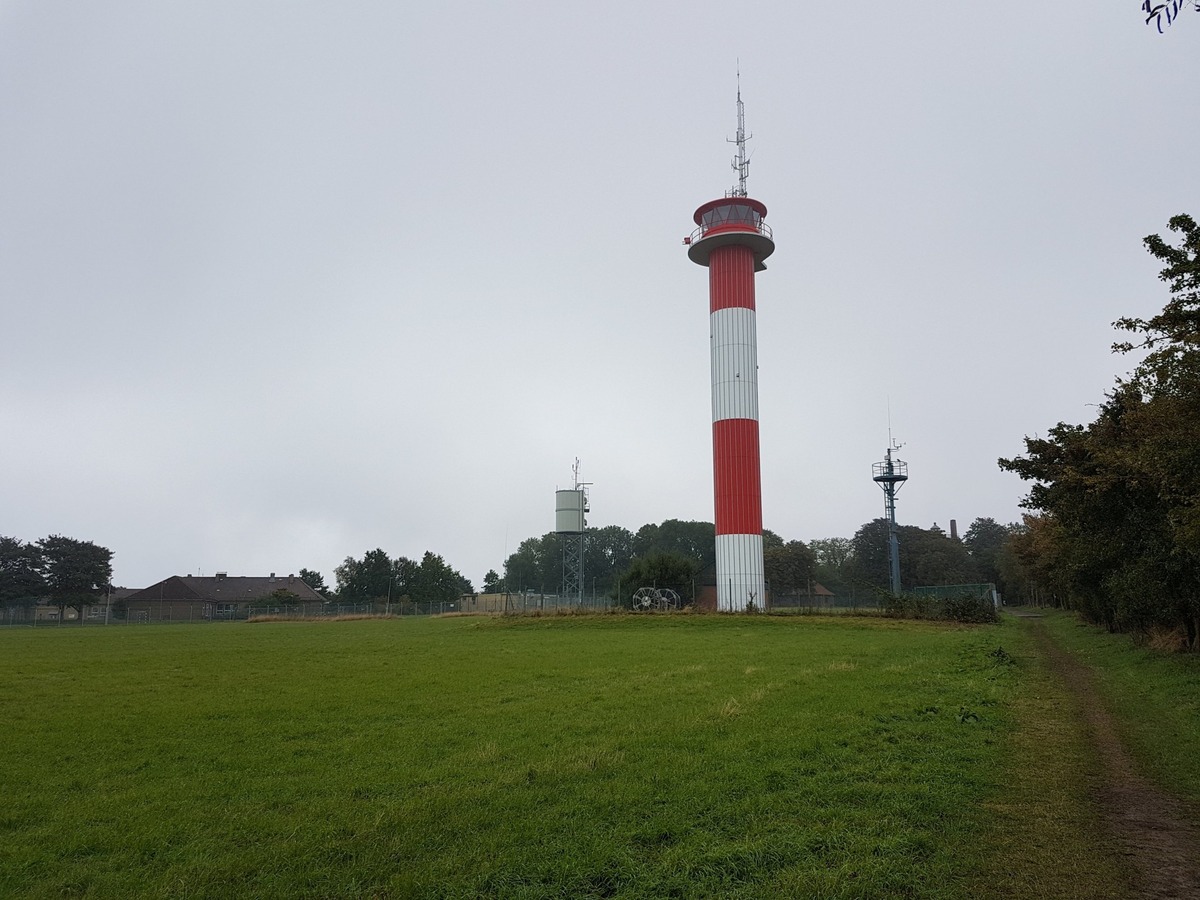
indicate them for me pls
(890, 475)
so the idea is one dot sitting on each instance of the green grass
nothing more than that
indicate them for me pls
(1045, 836)
(1155, 696)
(683, 756)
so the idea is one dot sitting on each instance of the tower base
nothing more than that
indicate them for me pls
(741, 583)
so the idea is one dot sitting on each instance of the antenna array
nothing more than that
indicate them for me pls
(741, 163)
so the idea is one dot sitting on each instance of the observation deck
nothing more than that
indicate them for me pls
(731, 220)
(890, 471)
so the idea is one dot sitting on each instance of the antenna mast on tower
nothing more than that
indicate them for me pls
(741, 163)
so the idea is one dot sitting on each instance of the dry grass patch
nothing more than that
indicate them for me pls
(1166, 640)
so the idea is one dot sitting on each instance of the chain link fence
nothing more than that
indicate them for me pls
(515, 603)
(182, 612)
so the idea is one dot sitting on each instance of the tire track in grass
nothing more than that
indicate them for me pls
(1150, 826)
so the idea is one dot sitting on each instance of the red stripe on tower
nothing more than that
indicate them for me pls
(737, 485)
(731, 278)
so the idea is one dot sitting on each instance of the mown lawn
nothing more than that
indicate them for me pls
(682, 756)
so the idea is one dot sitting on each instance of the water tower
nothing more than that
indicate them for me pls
(890, 475)
(570, 523)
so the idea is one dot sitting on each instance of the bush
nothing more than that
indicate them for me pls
(968, 608)
(958, 608)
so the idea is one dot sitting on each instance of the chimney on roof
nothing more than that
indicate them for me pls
(221, 576)
(954, 529)
(272, 578)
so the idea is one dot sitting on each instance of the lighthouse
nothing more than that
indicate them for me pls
(732, 240)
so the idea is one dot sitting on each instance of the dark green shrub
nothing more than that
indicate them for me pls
(960, 608)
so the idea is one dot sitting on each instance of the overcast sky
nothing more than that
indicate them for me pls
(283, 282)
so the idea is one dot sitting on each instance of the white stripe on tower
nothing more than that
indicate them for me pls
(734, 364)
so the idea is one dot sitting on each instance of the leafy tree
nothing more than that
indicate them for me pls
(983, 539)
(1166, 12)
(927, 557)
(378, 579)
(932, 557)
(1111, 537)
(789, 567)
(869, 550)
(1177, 326)
(696, 540)
(833, 561)
(314, 580)
(607, 552)
(659, 569)
(367, 580)
(21, 580)
(492, 582)
(435, 582)
(1027, 562)
(536, 566)
(831, 552)
(1119, 499)
(770, 539)
(986, 540)
(405, 573)
(77, 573)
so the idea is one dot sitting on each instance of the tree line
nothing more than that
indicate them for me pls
(70, 573)
(379, 579)
(58, 570)
(676, 553)
(1114, 523)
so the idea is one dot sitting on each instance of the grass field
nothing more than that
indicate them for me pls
(686, 756)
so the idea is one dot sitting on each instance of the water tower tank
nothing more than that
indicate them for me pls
(569, 507)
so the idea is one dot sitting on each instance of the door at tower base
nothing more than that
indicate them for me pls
(740, 582)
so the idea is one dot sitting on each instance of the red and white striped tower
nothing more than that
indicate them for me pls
(732, 241)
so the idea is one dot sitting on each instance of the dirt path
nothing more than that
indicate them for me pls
(1150, 827)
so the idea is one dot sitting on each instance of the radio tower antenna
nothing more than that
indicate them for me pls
(892, 442)
(741, 163)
